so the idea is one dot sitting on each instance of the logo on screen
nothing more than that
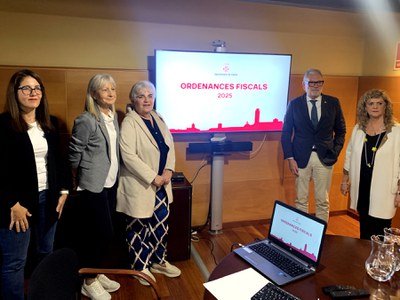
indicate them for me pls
(226, 68)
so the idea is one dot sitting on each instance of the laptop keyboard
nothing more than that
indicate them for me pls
(278, 259)
(273, 292)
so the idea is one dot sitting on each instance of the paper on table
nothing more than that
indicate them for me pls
(239, 286)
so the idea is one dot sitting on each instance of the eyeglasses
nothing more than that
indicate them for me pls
(315, 83)
(27, 90)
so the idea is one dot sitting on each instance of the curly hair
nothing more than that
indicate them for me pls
(362, 115)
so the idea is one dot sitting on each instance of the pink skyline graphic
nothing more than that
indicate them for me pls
(275, 125)
(302, 251)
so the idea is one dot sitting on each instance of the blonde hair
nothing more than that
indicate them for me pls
(96, 83)
(362, 115)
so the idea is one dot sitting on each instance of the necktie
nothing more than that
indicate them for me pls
(314, 115)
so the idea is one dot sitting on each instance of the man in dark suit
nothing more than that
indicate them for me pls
(312, 138)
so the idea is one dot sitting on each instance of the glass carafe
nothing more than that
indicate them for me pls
(380, 262)
(394, 235)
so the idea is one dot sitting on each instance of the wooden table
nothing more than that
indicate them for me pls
(342, 262)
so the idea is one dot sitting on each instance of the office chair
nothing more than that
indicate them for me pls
(58, 277)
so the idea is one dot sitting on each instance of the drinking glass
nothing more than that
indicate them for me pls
(380, 262)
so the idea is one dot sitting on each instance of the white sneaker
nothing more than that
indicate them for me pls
(148, 273)
(95, 291)
(108, 284)
(166, 268)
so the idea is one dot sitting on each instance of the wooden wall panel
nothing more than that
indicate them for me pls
(77, 81)
(252, 181)
(66, 91)
(345, 88)
(390, 84)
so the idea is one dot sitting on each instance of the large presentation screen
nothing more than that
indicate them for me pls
(221, 92)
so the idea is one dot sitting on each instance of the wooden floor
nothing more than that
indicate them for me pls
(212, 249)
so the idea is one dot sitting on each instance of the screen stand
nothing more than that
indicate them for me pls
(217, 186)
(218, 147)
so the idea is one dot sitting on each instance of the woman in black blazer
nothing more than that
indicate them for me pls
(33, 188)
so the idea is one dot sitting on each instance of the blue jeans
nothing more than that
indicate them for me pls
(13, 253)
(44, 235)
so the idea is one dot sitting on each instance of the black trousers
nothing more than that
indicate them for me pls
(371, 226)
(97, 215)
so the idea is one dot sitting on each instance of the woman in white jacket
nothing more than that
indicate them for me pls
(371, 170)
(144, 191)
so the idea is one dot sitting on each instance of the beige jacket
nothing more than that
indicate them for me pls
(140, 161)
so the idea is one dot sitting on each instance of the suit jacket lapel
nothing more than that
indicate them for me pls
(143, 126)
(104, 131)
(324, 107)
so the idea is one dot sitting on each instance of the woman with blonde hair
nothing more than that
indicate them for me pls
(372, 165)
(94, 158)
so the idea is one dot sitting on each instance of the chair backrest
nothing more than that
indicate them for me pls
(56, 277)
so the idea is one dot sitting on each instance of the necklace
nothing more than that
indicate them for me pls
(373, 129)
(374, 149)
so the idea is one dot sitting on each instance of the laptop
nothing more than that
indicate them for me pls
(295, 239)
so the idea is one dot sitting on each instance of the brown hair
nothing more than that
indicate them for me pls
(12, 105)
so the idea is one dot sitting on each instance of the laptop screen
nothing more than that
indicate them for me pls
(297, 231)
